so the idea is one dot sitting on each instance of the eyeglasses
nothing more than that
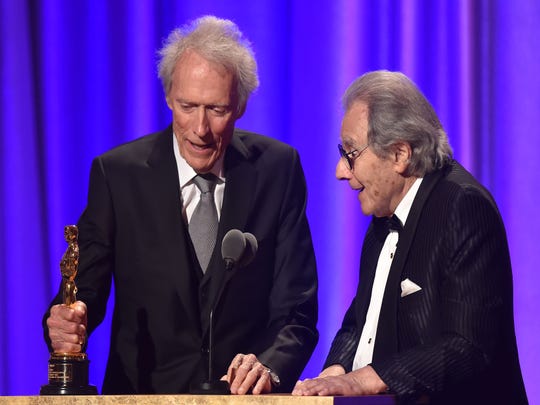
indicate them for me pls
(351, 156)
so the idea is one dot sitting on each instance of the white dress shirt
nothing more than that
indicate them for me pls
(364, 352)
(190, 192)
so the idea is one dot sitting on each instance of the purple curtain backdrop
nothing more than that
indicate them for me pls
(79, 77)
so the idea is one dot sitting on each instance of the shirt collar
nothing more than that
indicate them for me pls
(186, 172)
(404, 206)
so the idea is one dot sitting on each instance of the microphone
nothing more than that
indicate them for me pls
(238, 249)
(250, 251)
(232, 248)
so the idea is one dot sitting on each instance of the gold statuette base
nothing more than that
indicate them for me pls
(68, 375)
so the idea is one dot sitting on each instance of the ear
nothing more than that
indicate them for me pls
(169, 102)
(241, 111)
(401, 155)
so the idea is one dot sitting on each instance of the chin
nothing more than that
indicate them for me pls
(202, 169)
(200, 164)
(366, 210)
(367, 213)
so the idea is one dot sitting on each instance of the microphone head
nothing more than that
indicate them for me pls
(250, 251)
(233, 247)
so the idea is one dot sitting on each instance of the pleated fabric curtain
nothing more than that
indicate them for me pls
(78, 78)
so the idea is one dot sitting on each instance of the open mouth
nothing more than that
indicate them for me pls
(200, 148)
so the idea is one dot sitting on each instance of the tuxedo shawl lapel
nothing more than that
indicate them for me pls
(164, 186)
(371, 250)
(237, 205)
(386, 342)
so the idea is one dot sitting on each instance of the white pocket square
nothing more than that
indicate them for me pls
(408, 287)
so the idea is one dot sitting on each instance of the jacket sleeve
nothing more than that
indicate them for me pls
(292, 333)
(345, 342)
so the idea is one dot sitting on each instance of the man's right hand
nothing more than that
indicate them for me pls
(67, 327)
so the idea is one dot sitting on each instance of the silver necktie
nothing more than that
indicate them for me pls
(204, 221)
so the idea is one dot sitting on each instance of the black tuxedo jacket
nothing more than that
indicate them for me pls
(132, 231)
(453, 341)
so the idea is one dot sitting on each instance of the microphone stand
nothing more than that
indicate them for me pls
(211, 386)
(237, 250)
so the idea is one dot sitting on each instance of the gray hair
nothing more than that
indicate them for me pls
(399, 112)
(217, 40)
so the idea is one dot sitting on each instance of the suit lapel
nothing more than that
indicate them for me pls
(166, 189)
(386, 342)
(371, 250)
(237, 205)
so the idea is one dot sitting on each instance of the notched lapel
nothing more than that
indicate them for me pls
(240, 182)
(165, 186)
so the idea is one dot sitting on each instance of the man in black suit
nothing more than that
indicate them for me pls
(432, 318)
(142, 197)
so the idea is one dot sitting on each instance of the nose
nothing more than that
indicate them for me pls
(200, 126)
(342, 170)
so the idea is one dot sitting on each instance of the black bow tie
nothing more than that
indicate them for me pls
(382, 226)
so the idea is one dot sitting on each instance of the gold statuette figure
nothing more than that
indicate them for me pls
(68, 372)
(69, 264)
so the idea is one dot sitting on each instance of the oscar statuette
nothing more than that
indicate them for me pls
(68, 372)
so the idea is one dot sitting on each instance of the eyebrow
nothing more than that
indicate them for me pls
(222, 108)
(184, 101)
(348, 142)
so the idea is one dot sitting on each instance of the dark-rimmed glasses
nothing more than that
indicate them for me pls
(352, 155)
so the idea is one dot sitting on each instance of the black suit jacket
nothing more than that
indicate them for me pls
(132, 231)
(453, 341)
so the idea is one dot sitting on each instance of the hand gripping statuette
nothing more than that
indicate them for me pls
(68, 372)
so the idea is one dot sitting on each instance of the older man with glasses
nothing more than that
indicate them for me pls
(432, 318)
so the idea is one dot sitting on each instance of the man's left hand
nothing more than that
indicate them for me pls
(364, 381)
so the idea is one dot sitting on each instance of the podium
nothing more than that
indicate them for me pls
(268, 399)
